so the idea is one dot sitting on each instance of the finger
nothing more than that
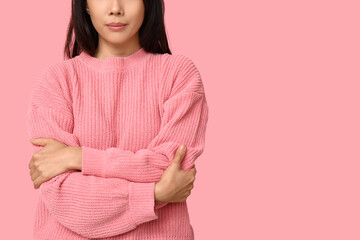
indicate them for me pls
(30, 164)
(179, 155)
(37, 182)
(40, 141)
(193, 170)
(34, 175)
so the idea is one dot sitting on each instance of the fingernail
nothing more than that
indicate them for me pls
(182, 147)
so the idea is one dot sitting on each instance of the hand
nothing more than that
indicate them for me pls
(53, 159)
(175, 184)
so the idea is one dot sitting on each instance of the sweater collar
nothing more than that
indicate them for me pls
(113, 63)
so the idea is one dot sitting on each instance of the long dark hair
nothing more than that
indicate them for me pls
(152, 32)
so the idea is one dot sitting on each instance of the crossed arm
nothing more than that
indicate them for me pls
(115, 190)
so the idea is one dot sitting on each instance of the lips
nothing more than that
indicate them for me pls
(116, 24)
(116, 28)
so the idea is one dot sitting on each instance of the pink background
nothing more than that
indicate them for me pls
(283, 141)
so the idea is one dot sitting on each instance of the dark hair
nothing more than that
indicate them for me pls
(152, 32)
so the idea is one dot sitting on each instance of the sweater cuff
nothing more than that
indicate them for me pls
(94, 161)
(142, 202)
(160, 205)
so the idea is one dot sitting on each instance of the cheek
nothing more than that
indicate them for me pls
(98, 24)
(137, 14)
(139, 18)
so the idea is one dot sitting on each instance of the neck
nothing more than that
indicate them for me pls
(106, 49)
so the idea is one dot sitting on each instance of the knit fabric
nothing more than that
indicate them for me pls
(129, 115)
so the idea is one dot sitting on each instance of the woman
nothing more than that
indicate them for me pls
(106, 126)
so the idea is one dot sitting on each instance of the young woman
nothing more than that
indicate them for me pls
(106, 125)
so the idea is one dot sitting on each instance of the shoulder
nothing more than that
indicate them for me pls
(178, 62)
(52, 87)
(59, 68)
(57, 76)
(181, 74)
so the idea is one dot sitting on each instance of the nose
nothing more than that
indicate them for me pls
(115, 8)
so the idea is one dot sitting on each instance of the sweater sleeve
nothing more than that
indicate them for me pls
(184, 120)
(91, 206)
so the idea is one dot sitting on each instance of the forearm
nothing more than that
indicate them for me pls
(103, 207)
(74, 161)
(184, 122)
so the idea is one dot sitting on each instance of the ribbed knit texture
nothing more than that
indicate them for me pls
(129, 115)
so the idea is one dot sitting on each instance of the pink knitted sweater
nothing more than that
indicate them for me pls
(129, 115)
